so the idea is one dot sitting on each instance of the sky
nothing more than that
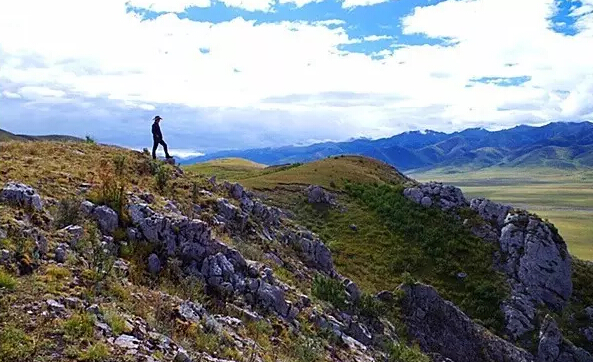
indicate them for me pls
(233, 74)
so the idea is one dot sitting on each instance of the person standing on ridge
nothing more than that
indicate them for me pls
(157, 138)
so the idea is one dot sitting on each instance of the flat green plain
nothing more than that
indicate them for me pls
(564, 197)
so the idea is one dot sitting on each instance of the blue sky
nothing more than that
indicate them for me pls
(227, 74)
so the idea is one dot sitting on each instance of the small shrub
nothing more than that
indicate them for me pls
(68, 212)
(370, 307)
(307, 350)
(162, 178)
(403, 353)
(116, 322)
(7, 281)
(99, 256)
(97, 352)
(111, 191)
(330, 290)
(79, 325)
(90, 140)
(15, 344)
(119, 163)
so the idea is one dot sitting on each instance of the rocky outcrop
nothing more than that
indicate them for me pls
(22, 195)
(313, 250)
(223, 269)
(445, 197)
(491, 212)
(537, 258)
(553, 347)
(440, 327)
(532, 254)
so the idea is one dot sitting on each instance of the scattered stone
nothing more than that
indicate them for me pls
(73, 302)
(55, 306)
(94, 309)
(461, 275)
(22, 195)
(154, 264)
(76, 232)
(353, 227)
(5, 256)
(127, 342)
(121, 268)
(3, 234)
(60, 255)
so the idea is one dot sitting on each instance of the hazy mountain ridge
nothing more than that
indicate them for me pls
(559, 144)
(8, 136)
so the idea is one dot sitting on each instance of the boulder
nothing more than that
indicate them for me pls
(317, 195)
(106, 218)
(154, 264)
(553, 347)
(22, 195)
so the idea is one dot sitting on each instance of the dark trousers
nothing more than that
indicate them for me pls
(156, 143)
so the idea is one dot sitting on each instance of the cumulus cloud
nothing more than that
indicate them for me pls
(347, 4)
(263, 83)
(176, 6)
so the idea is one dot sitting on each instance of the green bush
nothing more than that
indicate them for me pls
(68, 212)
(436, 247)
(329, 290)
(15, 344)
(403, 353)
(7, 281)
(162, 177)
(119, 162)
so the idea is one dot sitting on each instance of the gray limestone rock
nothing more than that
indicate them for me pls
(154, 264)
(106, 218)
(554, 348)
(440, 327)
(22, 195)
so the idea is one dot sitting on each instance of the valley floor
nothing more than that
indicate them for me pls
(563, 197)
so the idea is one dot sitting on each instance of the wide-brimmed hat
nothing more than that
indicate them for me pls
(157, 118)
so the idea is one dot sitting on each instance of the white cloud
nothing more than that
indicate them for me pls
(174, 6)
(377, 37)
(11, 95)
(255, 68)
(299, 3)
(32, 92)
(347, 4)
(250, 5)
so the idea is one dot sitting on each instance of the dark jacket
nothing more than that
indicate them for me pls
(156, 132)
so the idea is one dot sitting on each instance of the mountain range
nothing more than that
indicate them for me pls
(566, 145)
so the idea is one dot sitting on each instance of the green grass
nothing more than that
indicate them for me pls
(332, 172)
(226, 168)
(563, 197)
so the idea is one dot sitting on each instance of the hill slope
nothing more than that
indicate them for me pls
(111, 256)
(471, 148)
(7, 136)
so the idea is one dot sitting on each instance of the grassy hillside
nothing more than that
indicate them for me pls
(394, 236)
(564, 197)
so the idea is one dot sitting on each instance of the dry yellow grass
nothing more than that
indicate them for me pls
(330, 173)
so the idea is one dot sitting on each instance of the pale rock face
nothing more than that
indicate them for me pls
(22, 195)
(441, 327)
(490, 211)
(445, 197)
